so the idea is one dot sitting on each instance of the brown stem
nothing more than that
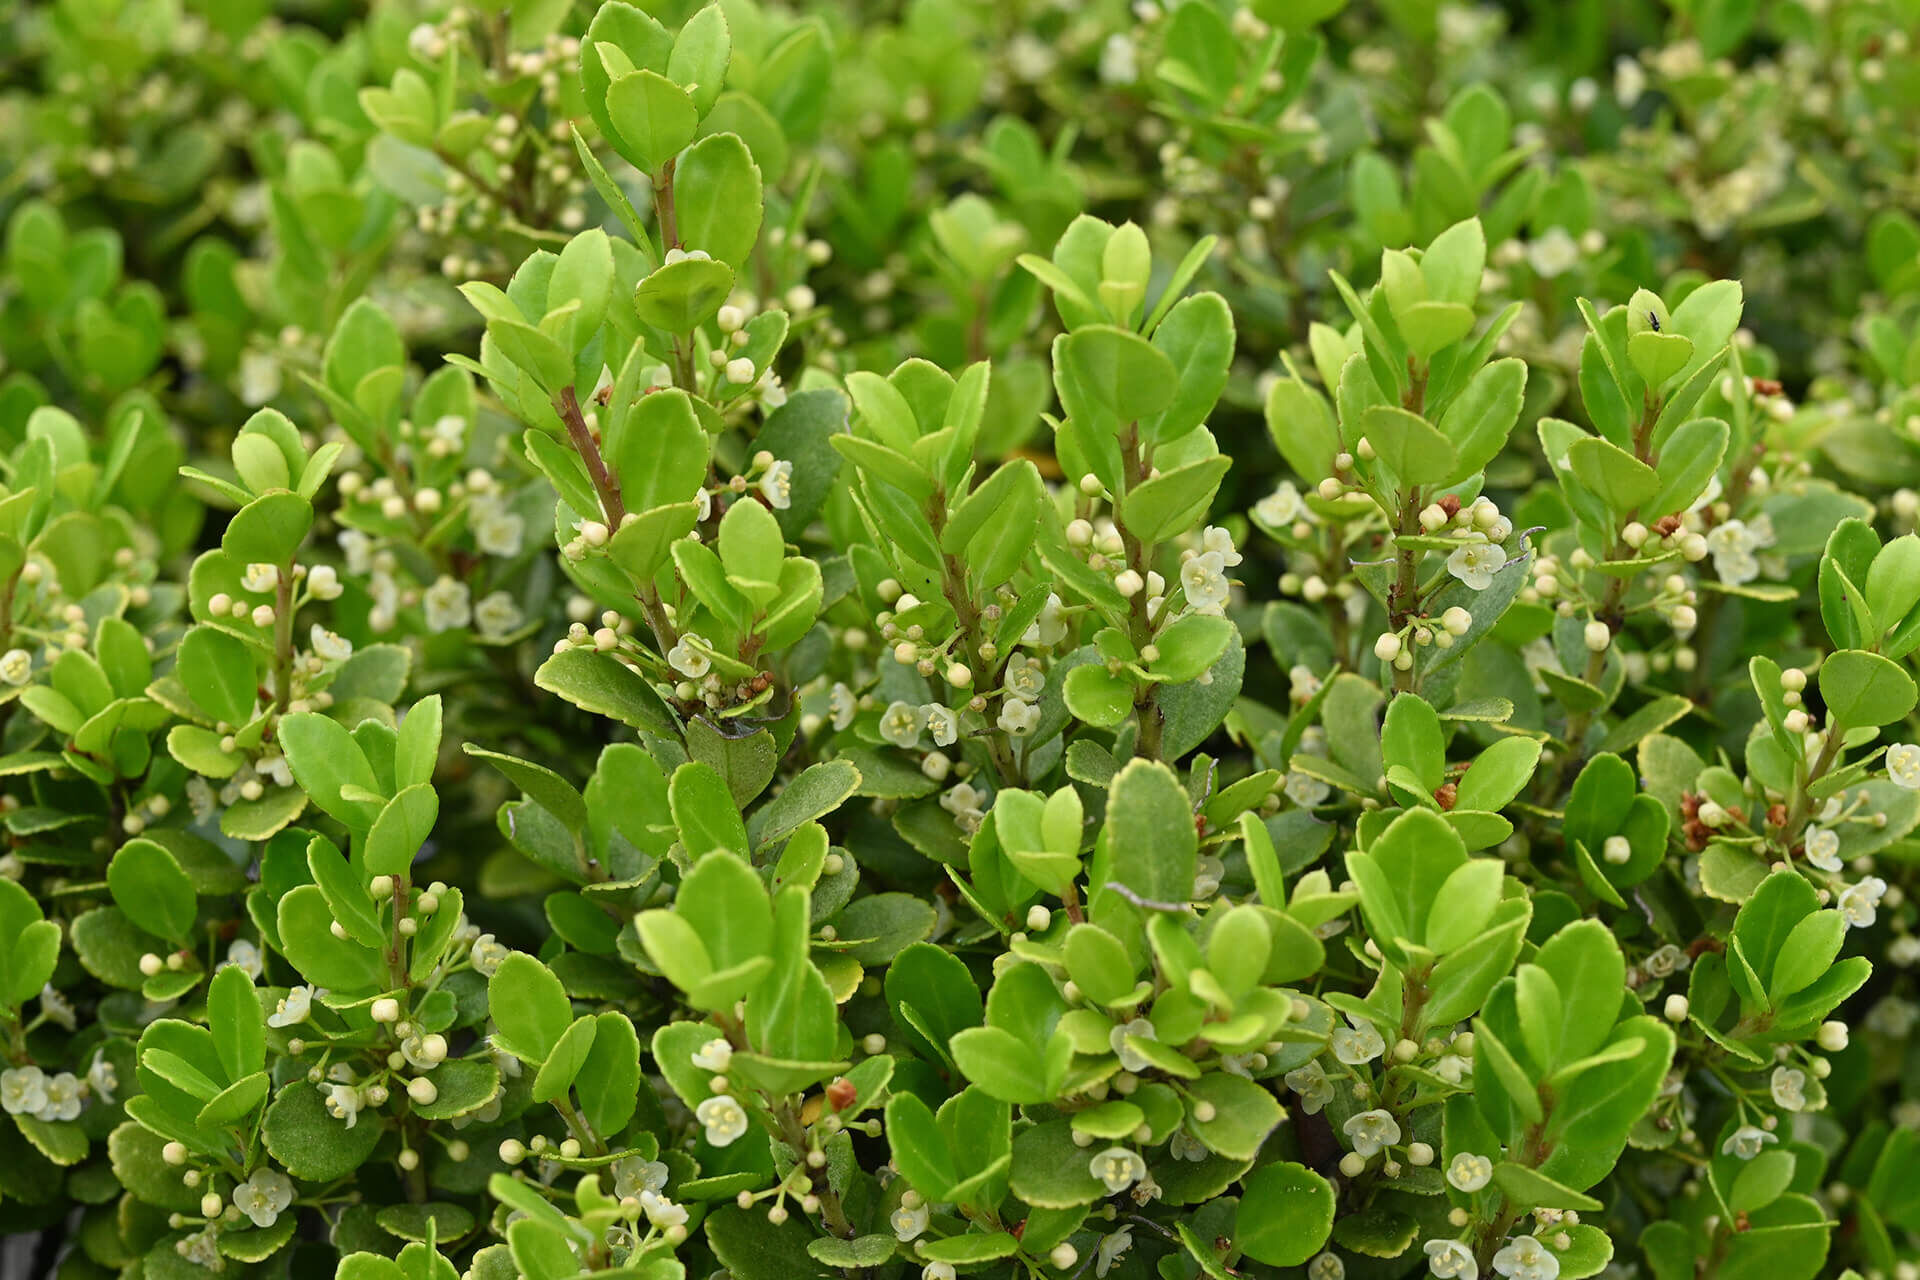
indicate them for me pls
(1403, 598)
(567, 405)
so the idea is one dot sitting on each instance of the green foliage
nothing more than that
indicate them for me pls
(835, 640)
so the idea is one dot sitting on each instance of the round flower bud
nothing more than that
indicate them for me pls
(1675, 1009)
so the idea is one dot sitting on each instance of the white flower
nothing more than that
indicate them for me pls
(497, 614)
(202, 1249)
(1131, 1059)
(687, 660)
(964, 797)
(357, 547)
(1184, 1146)
(323, 582)
(1050, 628)
(1525, 1258)
(244, 956)
(496, 530)
(260, 578)
(487, 954)
(1281, 507)
(1117, 1169)
(23, 1091)
(16, 666)
(1451, 1260)
(1217, 541)
(1469, 1172)
(1372, 1130)
(56, 1008)
(908, 1223)
(1326, 1266)
(901, 724)
(292, 1008)
(715, 1056)
(1024, 678)
(841, 705)
(1204, 579)
(942, 723)
(1017, 718)
(448, 603)
(343, 1103)
(1746, 1142)
(1112, 1246)
(1354, 1046)
(1903, 765)
(725, 1120)
(1823, 848)
(1476, 563)
(1554, 253)
(1451, 1067)
(102, 1079)
(1860, 902)
(1311, 1083)
(263, 1196)
(63, 1098)
(1733, 543)
(1789, 1088)
(938, 1271)
(662, 1212)
(1306, 790)
(329, 646)
(632, 1175)
(776, 486)
(260, 378)
(1118, 65)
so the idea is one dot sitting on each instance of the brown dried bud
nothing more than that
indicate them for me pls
(1446, 794)
(841, 1093)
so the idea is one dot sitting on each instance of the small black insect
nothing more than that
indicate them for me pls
(1653, 320)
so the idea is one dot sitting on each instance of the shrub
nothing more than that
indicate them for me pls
(725, 709)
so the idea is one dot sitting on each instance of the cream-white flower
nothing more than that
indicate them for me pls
(901, 724)
(23, 1091)
(1747, 1142)
(1326, 1266)
(1370, 1131)
(16, 666)
(264, 1196)
(1131, 1059)
(724, 1119)
(1050, 628)
(687, 660)
(1357, 1044)
(244, 956)
(1789, 1088)
(64, 1097)
(1017, 718)
(632, 1175)
(1451, 1260)
(662, 1212)
(448, 604)
(102, 1080)
(487, 954)
(942, 723)
(776, 486)
(1217, 541)
(715, 1056)
(1469, 1172)
(292, 1009)
(1525, 1258)
(329, 646)
(841, 706)
(1117, 1169)
(1204, 579)
(1823, 848)
(343, 1103)
(260, 578)
(1903, 765)
(1024, 678)
(1476, 563)
(497, 614)
(1280, 508)
(908, 1223)
(1311, 1083)
(1860, 902)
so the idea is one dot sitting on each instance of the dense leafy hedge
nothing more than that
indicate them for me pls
(631, 642)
